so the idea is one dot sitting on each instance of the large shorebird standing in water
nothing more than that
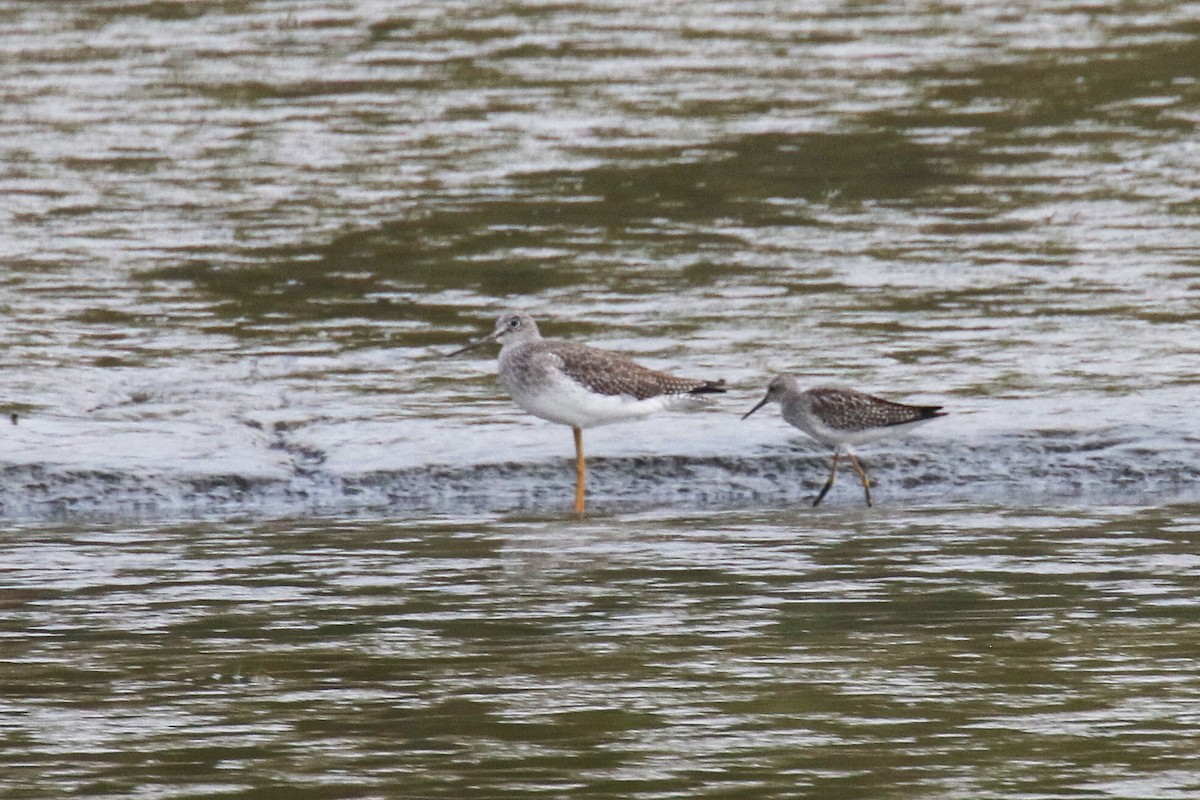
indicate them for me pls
(840, 417)
(580, 386)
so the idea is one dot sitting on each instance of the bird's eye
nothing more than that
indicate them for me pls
(514, 323)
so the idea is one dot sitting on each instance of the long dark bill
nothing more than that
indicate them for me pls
(761, 403)
(491, 337)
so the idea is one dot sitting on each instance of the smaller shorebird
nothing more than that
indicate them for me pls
(840, 417)
(573, 384)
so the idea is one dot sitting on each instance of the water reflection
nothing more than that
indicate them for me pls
(238, 233)
(517, 244)
(971, 650)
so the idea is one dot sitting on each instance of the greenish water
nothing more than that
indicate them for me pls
(257, 539)
(943, 652)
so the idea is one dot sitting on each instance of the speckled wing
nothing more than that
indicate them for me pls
(608, 373)
(848, 410)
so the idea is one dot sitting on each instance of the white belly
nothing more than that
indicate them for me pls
(566, 402)
(844, 439)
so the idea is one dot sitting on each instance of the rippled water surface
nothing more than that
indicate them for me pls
(238, 235)
(941, 652)
(257, 534)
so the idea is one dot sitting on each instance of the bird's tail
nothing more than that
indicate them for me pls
(709, 387)
(929, 412)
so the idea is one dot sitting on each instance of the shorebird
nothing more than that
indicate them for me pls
(841, 417)
(580, 386)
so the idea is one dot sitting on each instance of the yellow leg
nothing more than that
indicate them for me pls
(862, 473)
(580, 470)
(829, 483)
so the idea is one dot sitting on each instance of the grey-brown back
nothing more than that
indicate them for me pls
(850, 410)
(607, 373)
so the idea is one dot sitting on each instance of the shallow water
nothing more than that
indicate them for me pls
(239, 236)
(257, 533)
